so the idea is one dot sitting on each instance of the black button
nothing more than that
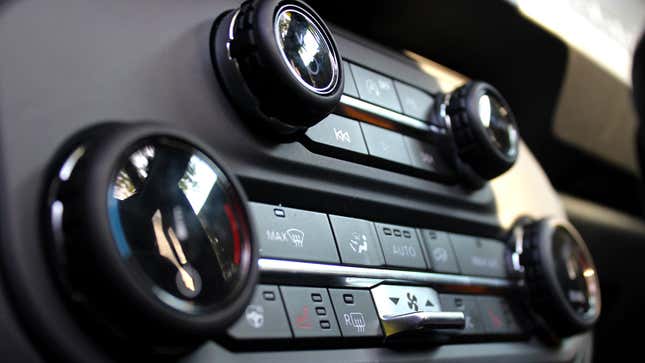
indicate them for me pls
(357, 241)
(425, 156)
(375, 88)
(439, 251)
(293, 234)
(385, 144)
(400, 246)
(321, 311)
(468, 305)
(303, 314)
(497, 315)
(350, 85)
(479, 256)
(356, 318)
(339, 132)
(415, 102)
(263, 318)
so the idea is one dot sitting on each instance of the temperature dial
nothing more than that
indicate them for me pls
(149, 234)
(278, 62)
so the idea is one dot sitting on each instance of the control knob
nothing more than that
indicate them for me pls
(484, 130)
(278, 63)
(148, 235)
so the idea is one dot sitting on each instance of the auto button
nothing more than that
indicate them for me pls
(400, 246)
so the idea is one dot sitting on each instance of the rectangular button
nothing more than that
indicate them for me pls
(497, 315)
(357, 241)
(479, 256)
(468, 305)
(350, 85)
(394, 300)
(355, 313)
(426, 157)
(293, 234)
(340, 132)
(439, 251)
(375, 88)
(385, 144)
(303, 309)
(415, 102)
(264, 318)
(400, 246)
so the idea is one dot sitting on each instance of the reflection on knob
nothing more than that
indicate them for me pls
(483, 128)
(278, 63)
(560, 276)
(149, 233)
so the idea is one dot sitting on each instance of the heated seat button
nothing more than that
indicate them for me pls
(310, 312)
(414, 101)
(424, 156)
(375, 88)
(439, 251)
(350, 85)
(385, 144)
(479, 256)
(400, 246)
(293, 234)
(468, 305)
(355, 312)
(264, 317)
(357, 241)
(497, 316)
(339, 132)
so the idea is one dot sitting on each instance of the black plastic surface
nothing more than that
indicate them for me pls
(70, 64)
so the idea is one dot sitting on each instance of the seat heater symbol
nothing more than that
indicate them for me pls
(355, 320)
(255, 316)
(358, 243)
(412, 302)
(296, 236)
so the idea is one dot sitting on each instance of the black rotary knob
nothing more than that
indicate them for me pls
(278, 62)
(560, 276)
(484, 129)
(148, 234)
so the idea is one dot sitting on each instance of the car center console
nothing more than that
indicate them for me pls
(216, 181)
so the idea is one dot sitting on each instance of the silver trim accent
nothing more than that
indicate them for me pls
(385, 113)
(423, 320)
(351, 276)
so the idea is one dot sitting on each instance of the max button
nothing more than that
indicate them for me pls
(288, 233)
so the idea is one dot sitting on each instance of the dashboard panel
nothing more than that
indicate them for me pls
(372, 234)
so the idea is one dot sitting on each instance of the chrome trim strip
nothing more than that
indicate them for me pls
(390, 115)
(368, 277)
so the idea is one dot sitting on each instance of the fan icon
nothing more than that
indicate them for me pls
(412, 302)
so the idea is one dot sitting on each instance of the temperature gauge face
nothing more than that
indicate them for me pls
(575, 273)
(306, 49)
(177, 221)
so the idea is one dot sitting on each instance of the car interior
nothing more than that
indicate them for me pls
(321, 181)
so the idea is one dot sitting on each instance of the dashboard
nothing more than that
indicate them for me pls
(217, 181)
